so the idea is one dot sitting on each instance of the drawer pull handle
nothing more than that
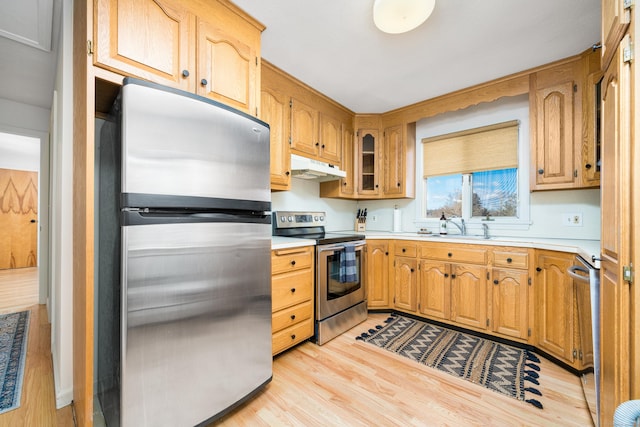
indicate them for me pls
(293, 290)
(293, 336)
(293, 317)
(293, 262)
(404, 250)
(449, 254)
(495, 282)
(538, 269)
(509, 260)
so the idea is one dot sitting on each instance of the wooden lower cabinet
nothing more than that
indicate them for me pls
(469, 295)
(377, 277)
(292, 297)
(405, 284)
(435, 289)
(555, 307)
(509, 303)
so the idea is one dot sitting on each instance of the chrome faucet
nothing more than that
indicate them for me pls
(462, 227)
(485, 228)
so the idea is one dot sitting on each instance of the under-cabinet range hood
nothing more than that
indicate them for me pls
(302, 167)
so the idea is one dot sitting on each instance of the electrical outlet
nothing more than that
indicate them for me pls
(374, 218)
(572, 219)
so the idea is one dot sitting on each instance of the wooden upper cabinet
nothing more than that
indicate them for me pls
(227, 65)
(554, 145)
(274, 110)
(304, 128)
(212, 48)
(344, 187)
(148, 39)
(615, 21)
(330, 139)
(393, 154)
(369, 156)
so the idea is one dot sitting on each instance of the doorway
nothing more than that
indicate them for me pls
(23, 218)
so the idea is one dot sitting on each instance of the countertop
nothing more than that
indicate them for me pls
(585, 248)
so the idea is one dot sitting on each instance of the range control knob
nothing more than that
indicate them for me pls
(315, 218)
(283, 218)
(321, 218)
(290, 218)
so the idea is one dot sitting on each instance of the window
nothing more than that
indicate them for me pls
(473, 173)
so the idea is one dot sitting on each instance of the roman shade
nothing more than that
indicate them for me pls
(480, 149)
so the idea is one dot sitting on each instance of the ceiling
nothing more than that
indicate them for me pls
(28, 44)
(333, 46)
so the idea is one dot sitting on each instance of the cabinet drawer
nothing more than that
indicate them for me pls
(283, 260)
(455, 253)
(290, 316)
(406, 249)
(291, 336)
(510, 259)
(291, 289)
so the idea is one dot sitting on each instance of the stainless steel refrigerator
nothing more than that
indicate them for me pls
(184, 266)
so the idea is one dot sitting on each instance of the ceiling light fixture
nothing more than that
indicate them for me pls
(400, 16)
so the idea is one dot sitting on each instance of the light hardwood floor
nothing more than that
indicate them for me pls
(342, 383)
(19, 291)
(351, 383)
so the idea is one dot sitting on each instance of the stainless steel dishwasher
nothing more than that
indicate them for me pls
(587, 280)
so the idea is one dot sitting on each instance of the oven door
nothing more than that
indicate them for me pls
(332, 294)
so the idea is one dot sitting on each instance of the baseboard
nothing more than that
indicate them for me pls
(63, 397)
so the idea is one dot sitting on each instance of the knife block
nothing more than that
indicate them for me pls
(360, 226)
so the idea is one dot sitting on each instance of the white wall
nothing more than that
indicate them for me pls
(545, 211)
(61, 217)
(19, 152)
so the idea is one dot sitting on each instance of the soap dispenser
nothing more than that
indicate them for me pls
(443, 224)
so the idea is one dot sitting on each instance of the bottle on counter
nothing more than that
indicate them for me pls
(443, 224)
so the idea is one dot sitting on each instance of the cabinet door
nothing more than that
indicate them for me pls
(435, 289)
(227, 65)
(469, 295)
(377, 274)
(330, 139)
(347, 184)
(275, 111)
(554, 143)
(393, 169)
(304, 128)
(616, 321)
(406, 283)
(554, 305)
(148, 39)
(615, 21)
(368, 162)
(509, 302)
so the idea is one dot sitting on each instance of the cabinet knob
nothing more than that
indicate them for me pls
(398, 184)
(293, 317)
(538, 269)
(322, 146)
(376, 185)
(32, 221)
(453, 276)
(203, 82)
(404, 250)
(446, 275)
(449, 254)
(287, 173)
(386, 253)
(293, 290)
(588, 166)
(495, 282)
(540, 171)
(344, 183)
(185, 73)
(293, 262)
(412, 270)
(317, 144)
(293, 336)
(509, 260)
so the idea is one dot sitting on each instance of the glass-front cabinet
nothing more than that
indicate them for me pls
(369, 158)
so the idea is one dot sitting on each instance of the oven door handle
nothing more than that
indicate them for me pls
(338, 247)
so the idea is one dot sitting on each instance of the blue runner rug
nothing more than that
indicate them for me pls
(14, 328)
(498, 367)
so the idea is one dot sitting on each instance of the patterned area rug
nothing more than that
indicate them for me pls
(14, 328)
(498, 367)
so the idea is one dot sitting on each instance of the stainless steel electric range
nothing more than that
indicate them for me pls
(340, 299)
